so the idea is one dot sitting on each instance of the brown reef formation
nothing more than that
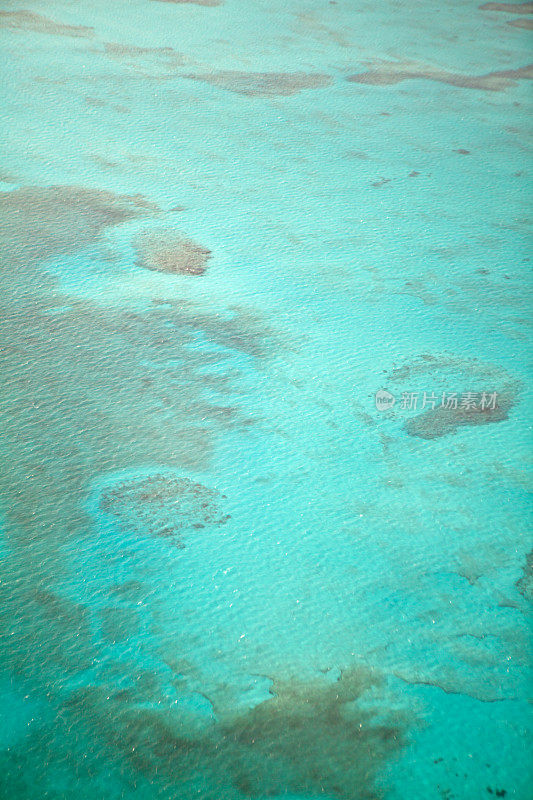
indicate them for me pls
(522, 23)
(37, 23)
(391, 73)
(263, 84)
(309, 738)
(525, 583)
(37, 222)
(162, 506)
(469, 373)
(142, 58)
(437, 422)
(513, 8)
(195, 2)
(165, 250)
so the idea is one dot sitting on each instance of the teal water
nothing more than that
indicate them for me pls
(225, 573)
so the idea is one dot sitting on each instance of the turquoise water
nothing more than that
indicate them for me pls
(225, 572)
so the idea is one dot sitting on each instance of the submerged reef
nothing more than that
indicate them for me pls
(264, 84)
(514, 8)
(36, 23)
(38, 222)
(118, 623)
(165, 250)
(311, 737)
(437, 422)
(390, 73)
(195, 2)
(153, 59)
(525, 583)
(162, 506)
(522, 23)
(444, 372)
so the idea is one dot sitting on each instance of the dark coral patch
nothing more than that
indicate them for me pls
(389, 74)
(525, 583)
(381, 182)
(28, 21)
(144, 57)
(25, 609)
(437, 422)
(162, 506)
(61, 609)
(514, 8)
(194, 2)
(311, 738)
(37, 222)
(117, 624)
(522, 23)
(165, 250)
(264, 84)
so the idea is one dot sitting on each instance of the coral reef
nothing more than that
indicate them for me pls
(391, 73)
(142, 58)
(446, 371)
(29, 21)
(195, 2)
(38, 222)
(525, 583)
(162, 506)
(310, 738)
(437, 422)
(167, 251)
(514, 8)
(522, 23)
(264, 84)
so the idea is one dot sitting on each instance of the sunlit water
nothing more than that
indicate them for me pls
(225, 573)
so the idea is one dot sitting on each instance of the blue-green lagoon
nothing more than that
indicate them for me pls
(265, 400)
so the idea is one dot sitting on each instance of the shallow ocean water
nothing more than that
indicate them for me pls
(225, 573)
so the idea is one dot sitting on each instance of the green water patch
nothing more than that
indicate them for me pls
(21, 713)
